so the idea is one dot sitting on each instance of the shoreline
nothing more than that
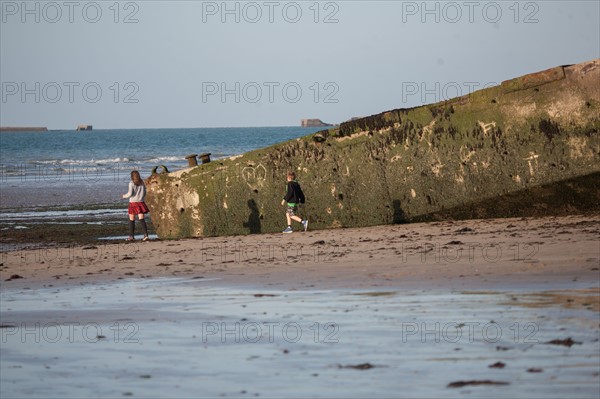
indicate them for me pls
(540, 253)
(60, 226)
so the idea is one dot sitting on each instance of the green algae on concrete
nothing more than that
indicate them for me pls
(531, 136)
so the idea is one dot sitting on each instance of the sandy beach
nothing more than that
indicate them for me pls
(480, 308)
(543, 253)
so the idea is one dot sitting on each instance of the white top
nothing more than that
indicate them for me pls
(136, 193)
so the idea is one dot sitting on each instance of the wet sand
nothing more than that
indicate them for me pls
(540, 253)
(485, 308)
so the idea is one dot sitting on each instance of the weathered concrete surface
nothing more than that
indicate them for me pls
(530, 146)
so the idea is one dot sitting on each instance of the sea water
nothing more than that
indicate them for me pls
(39, 170)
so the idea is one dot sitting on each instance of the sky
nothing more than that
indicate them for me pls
(184, 64)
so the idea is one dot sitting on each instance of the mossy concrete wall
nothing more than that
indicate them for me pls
(528, 136)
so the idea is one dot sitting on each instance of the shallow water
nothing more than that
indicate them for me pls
(196, 338)
(42, 216)
(123, 237)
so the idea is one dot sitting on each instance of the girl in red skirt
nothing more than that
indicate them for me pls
(137, 206)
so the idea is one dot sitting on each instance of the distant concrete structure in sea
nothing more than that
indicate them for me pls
(313, 123)
(83, 128)
(22, 129)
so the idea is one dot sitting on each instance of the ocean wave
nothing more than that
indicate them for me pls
(77, 165)
(66, 167)
(73, 168)
(82, 162)
(114, 162)
(165, 159)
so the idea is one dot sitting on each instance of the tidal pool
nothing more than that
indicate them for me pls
(198, 338)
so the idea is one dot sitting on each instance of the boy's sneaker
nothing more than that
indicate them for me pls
(288, 230)
(305, 224)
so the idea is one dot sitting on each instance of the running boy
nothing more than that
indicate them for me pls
(293, 197)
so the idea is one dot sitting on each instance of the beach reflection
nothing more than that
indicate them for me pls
(198, 338)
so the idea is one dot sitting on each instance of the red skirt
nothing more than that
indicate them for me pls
(135, 208)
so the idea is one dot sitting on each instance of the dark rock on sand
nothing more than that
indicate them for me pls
(460, 384)
(568, 342)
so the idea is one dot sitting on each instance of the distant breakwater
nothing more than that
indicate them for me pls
(22, 129)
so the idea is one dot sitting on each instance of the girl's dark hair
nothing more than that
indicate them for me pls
(136, 179)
